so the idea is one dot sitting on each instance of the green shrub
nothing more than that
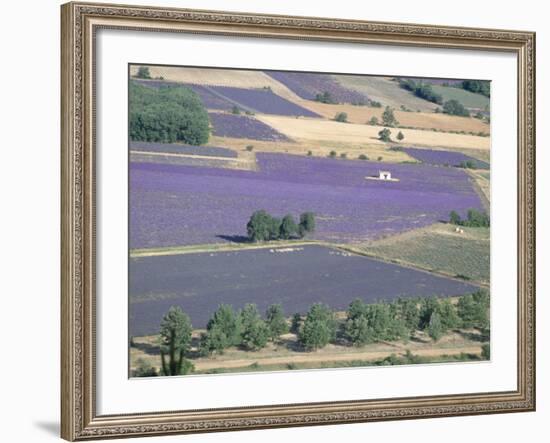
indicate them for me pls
(388, 118)
(307, 224)
(319, 327)
(175, 335)
(477, 86)
(422, 90)
(325, 97)
(296, 323)
(289, 228)
(454, 107)
(384, 135)
(259, 226)
(222, 331)
(473, 309)
(435, 328)
(276, 321)
(475, 219)
(144, 369)
(341, 117)
(254, 331)
(486, 351)
(143, 72)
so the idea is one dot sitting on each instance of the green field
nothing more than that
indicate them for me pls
(385, 91)
(467, 98)
(438, 248)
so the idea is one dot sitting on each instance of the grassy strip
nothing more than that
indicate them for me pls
(392, 360)
(219, 247)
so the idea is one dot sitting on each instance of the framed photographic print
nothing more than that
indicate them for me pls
(283, 221)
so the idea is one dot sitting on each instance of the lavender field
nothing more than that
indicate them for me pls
(443, 158)
(296, 279)
(262, 101)
(183, 205)
(177, 148)
(308, 85)
(223, 98)
(242, 126)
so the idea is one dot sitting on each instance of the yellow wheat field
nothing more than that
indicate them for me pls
(330, 131)
(428, 120)
(220, 77)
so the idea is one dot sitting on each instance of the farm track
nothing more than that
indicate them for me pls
(482, 196)
(326, 358)
(209, 157)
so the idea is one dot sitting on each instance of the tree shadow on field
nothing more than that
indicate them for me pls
(234, 238)
(147, 348)
(472, 336)
(416, 339)
(293, 345)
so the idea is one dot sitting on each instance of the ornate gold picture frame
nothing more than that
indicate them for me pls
(80, 23)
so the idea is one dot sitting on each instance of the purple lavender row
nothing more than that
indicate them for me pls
(176, 148)
(263, 101)
(181, 205)
(307, 85)
(243, 126)
(444, 158)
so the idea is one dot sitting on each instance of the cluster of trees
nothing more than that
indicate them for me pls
(388, 119)
(167, 115)
(468, 164)
(385, 135)
(263, 227)
(364, 323)
(422, 90)
(477, 86)
(454, 107)
(143, 72)
(245, 328)
(326, 97)
(474, 219)
(368, 323)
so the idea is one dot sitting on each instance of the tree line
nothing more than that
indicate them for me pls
(262, 226)
(426, 92)
(364, 323)
(474, 219)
